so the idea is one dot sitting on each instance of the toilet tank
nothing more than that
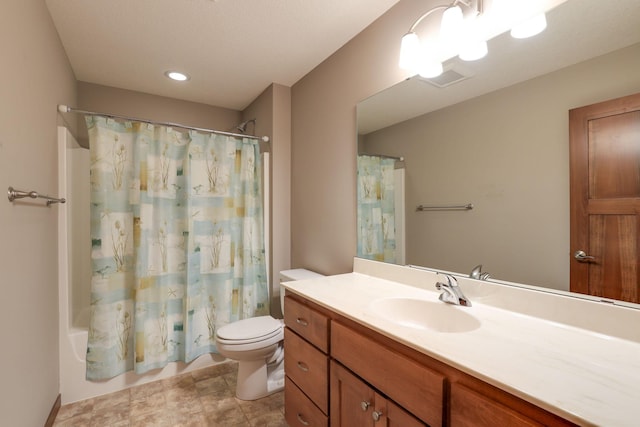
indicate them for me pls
(293, 275)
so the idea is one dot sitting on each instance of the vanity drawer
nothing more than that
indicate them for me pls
(416, 388)
(307, 322)
(472, 409)
(299, 410)
(306, 366)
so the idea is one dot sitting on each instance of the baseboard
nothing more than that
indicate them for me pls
(54, 412)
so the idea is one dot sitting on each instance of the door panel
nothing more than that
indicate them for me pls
(605, 198)
(613, 156)
(614, 244)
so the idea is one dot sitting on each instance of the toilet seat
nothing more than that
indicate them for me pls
(263, 329)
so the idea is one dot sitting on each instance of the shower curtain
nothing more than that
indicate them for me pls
(376, 208)
(177, 243)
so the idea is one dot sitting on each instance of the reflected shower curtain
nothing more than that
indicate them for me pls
(376, 208)
(177, 243)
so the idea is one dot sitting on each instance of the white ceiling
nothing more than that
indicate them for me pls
(577, 30)
(232, 49)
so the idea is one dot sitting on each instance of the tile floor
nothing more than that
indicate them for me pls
(201, 398)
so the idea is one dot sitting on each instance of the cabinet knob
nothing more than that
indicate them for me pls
(302, 321)
(302, 420)
(376, 415)
(303, 367)
(365, 405)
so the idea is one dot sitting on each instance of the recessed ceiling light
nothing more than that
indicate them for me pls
(175, 75)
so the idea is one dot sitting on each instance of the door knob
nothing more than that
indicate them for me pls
(581, 256)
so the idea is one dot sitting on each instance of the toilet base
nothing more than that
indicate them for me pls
(256, 379)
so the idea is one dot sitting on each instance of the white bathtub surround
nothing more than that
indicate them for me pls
(576, 358)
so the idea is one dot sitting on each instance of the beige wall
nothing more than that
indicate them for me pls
(105, 99)
(506, 152)
(35, 76)
(281, 183)
(323, 216)
(273, 112)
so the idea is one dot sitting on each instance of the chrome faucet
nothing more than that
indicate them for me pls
(452, 294)
(477, 273)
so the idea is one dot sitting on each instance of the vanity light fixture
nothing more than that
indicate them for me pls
(456, 37)
(177, 76)
(459, 34)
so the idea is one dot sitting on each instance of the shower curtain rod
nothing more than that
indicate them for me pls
(384, 156)
(66, 109)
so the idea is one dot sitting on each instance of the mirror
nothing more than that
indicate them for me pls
(498, 139)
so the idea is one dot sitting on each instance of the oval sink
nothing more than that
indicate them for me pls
(423, 314)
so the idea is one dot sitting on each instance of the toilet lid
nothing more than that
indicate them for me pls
(254, 327)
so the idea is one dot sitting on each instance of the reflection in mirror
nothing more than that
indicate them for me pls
(380, 193)
(498, 139)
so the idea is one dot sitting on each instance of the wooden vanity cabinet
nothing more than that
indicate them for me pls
(349, 372)
(306, 365)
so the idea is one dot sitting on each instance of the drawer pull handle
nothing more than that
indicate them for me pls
(303, 367)
(302, 421)
(364, 405)
(376, 415)
(302, 321)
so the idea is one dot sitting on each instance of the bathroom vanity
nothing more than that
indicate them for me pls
(377, 347)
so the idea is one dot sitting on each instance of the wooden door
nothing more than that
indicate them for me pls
(605, 198)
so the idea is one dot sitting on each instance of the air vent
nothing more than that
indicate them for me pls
(447, 78)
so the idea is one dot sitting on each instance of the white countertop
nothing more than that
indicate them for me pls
(586, 377)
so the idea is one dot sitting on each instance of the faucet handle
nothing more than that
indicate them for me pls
(478, 274)
(452, 293)
(451, 281)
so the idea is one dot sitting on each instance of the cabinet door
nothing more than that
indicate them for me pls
(355, 403)
(392, 415)
(351, 399)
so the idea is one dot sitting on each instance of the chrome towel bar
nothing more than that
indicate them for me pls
(13, 194)
(467, 207)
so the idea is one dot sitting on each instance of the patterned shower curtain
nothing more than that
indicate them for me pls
(376, 208)
(177, 243)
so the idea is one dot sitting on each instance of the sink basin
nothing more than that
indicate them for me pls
(423, 314)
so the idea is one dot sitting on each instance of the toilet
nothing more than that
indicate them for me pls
(257, 345)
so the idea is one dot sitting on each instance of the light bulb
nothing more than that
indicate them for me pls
(175, 75)
(430, 68)
(409, 52)
(473, 50)
(530, 27)
(451, 30)
(452, 21)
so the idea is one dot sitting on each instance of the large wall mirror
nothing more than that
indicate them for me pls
(498, 139)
